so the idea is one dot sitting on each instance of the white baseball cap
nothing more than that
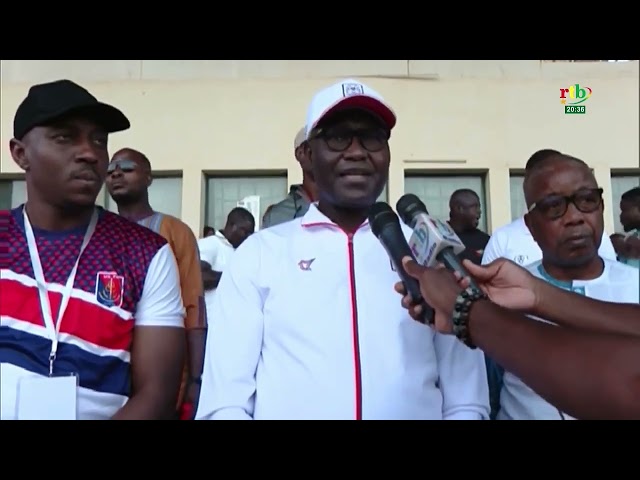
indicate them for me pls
(348, 93)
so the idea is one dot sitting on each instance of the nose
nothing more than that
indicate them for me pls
(573, 216)
(115, 173)
(355, 151)
(89, 151)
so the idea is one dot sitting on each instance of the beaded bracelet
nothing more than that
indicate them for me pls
(461, 311)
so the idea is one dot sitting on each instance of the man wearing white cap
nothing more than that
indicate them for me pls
(307, 324)
(300, 196)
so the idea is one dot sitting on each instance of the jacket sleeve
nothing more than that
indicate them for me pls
(185, 248)
(234, 339)
(208, 250)
(463, 380)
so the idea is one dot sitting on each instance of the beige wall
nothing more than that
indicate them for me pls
(207, 116)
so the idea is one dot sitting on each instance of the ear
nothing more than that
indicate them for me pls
(19, 154)
(149, 180)
(306, 160)
(528, 223)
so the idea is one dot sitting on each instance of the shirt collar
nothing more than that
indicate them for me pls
(219, 235)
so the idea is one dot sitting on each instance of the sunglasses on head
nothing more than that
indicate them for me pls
(587, 200)
(124, 165)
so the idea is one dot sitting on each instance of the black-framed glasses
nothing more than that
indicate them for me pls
(338, 140)
(124, 165)
(555, 206)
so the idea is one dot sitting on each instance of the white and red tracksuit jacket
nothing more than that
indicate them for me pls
(306, 325)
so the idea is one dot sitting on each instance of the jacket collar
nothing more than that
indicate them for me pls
(315, 217)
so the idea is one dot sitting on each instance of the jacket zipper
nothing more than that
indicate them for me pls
(354, 323)
(354, 319)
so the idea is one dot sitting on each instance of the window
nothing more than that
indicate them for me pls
(436, 189)
(165, 195)
(12, 193)
(621, 183)
(224, 193)
(518, 204)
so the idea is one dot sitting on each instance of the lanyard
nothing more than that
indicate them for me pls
(53, 330)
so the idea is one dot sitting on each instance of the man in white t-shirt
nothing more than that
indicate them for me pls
(565, 218)
(514, 240)
(216, 249)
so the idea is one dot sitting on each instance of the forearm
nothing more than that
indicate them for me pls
(576, 311)
(148, 404)
(587, 375)
(196, 340)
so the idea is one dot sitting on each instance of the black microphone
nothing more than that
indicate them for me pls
(385, 225)
(433, 240)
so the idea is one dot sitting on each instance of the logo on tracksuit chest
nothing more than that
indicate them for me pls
(305, 265)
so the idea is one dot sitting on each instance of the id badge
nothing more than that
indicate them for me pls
(48, 398)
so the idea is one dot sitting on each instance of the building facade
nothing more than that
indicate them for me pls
(217, 132)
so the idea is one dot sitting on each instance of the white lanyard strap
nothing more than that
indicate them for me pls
(45, 305)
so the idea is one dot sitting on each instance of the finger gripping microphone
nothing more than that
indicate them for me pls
(433, 240)
(385, 225)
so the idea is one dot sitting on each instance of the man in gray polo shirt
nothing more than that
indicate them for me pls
(300, 196)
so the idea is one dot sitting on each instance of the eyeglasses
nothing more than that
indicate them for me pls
(125, 166)
(372, 140)
(555, 206)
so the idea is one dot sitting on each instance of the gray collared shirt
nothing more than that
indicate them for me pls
(295, 205)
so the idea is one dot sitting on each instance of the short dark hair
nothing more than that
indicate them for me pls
(632, 196)
(458, 194)
(539, 156)
(541, 163)
(239, 214)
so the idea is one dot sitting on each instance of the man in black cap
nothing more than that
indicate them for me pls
(92, 319)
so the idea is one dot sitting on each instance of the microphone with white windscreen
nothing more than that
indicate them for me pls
(432, 240)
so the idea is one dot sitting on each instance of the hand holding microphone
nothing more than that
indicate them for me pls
(438, 286)
(507, 284)
(433, 240)
(385, 225)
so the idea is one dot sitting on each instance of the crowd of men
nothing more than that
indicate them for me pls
(129, 316)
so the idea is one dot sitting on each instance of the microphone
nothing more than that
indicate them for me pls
(385, 225)
(433, 240)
